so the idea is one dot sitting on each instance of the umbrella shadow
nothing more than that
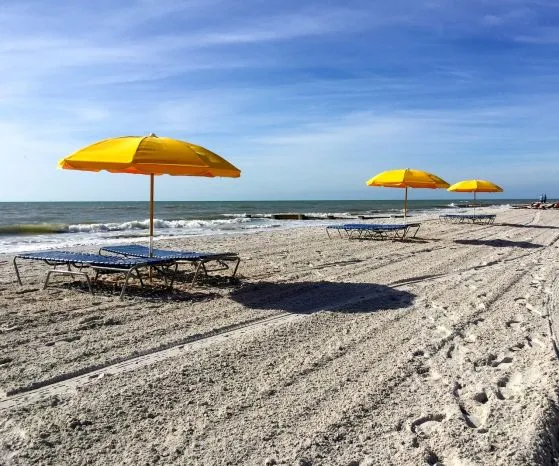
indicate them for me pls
(311, 297)
(500, 243)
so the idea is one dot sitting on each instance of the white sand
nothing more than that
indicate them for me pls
(434, 351)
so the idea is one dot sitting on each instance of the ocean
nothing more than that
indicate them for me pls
(33, 226)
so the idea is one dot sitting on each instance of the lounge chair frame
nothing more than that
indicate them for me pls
(75, 263)
(199, 260)
(375, 231)
(486, 219)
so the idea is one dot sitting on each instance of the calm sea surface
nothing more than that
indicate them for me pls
(28, 226)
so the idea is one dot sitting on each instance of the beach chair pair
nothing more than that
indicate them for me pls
(130, 260)
(375, 231)
(468, 218)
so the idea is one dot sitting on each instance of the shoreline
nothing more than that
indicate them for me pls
(324, 351)
(77, 240)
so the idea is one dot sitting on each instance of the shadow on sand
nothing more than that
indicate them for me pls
(520, 225)
(310, 297)
(149, 292)
(499, 243)
(421, 239)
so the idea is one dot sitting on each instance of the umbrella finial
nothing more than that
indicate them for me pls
(152, 135)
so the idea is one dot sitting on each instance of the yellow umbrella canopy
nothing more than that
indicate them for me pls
(149, 155)
(407, 178)
(475, 186)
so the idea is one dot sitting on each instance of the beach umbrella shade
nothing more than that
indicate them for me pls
(149, 155)
(407, 178)
(475, 186)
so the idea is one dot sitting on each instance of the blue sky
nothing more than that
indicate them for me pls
(309, 99)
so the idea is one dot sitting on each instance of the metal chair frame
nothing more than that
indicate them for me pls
(199, 260)
(370, 231)
(485, 219)
(95, 263)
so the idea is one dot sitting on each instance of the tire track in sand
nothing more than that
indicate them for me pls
(72, 382)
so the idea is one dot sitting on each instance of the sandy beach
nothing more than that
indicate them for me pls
(437, 350)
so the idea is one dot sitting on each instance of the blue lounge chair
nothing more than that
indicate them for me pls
(375, 231)
(200, 260)
(75, 262)
(465, 218)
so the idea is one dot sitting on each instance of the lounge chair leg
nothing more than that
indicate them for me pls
(172, 271)
(163, 272)
(17, 271)
(83, 274)
(174, 274)
(140, 277)
(200, 265)
(236, 267)
(126, 282)
(47, 280)
(89, 283)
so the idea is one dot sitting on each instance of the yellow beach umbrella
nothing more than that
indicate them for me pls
(407, 178)
(475, 186)
(149, 155)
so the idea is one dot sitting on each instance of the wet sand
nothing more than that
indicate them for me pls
(437, 350)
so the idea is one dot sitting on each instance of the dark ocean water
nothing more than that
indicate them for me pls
(28, 226)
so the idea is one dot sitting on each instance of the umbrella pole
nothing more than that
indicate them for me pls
(406, 205)
(474, 203)
(151, 183)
